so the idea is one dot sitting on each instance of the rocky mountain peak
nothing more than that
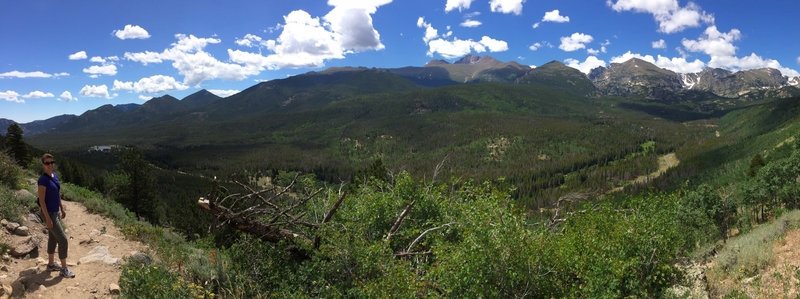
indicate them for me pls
(468, 59)
(436, 62)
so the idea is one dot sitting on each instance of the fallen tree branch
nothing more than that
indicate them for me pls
(329, 215)
(425, 233)
(399, 221)
(405, 254)
(265, 232)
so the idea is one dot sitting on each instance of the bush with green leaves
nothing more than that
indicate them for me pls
(467, 239)
(10, 173)
(152, 281)
(776, 185)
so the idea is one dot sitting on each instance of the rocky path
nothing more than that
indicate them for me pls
(96, 249)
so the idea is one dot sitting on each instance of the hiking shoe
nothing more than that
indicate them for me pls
(65, 272)
(53, 267)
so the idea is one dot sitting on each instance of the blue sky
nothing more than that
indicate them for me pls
(65, 57)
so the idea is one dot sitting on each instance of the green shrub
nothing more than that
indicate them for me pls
(10, 173)
(96, 203)
(152, 281)
(4, 248)
(13, 207)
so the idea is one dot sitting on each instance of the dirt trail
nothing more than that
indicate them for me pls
(88, 234)
(665, 163)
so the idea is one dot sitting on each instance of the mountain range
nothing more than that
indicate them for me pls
(635, 78)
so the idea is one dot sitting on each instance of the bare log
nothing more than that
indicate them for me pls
(399, 221)
(329, 215)
(411, 246)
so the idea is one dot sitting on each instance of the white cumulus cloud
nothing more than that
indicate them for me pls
(675, 64)
(95, 91)
(451, 5)
(659, 44)
(11, 96)
(145, 58)
(249, 40)
(575, 42)
(430, 32)
(224, 92)
(587, 65)
(77, 55)
(671, 17)
(304, 41)
(455, 47)
(493, 45)
(96, 70)
(36, 94)
(152, 84)
(131, 32)
(36, 74)
(470, 23)
(190, 60)
(714, 43)
(555, 16)
(752, 61)
(720, 47)
(506, 6)
(67, 97)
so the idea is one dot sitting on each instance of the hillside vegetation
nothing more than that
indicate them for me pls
(368, 183)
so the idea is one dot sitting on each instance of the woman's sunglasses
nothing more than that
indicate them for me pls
(49, 162)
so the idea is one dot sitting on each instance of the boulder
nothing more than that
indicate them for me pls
(3, 222)
(22, 231)
(141, 257)
(99, 254)
(113, 289)
(24, 247)
(11, 226)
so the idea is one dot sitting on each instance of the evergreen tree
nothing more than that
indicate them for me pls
(16, 147)
(137, 193)
(755, 164)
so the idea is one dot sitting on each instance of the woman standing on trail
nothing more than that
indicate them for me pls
(50, 203)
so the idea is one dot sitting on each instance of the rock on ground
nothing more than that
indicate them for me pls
(99, 254)
(24, 247)
(113, 289)
(22, 231)
(11, 226)
(141, 258)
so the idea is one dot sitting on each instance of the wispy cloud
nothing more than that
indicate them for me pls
(36, 74)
